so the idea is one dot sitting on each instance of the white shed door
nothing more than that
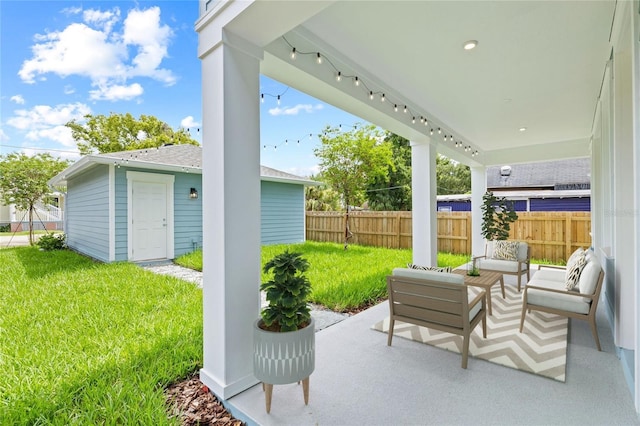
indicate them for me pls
(149, 220)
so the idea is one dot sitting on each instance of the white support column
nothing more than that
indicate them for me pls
(231, 213)
(478, 188)
(424, 201)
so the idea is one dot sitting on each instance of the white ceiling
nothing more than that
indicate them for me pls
(538, 64)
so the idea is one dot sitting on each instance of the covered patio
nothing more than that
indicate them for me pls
(546, 80)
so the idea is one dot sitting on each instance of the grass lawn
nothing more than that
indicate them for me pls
(89, 343)
(341, 279)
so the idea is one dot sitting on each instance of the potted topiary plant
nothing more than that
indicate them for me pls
(497, 215)
(284, 336)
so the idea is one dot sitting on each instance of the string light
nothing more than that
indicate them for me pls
(357, 82)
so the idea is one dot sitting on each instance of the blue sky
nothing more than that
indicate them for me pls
(61, 60)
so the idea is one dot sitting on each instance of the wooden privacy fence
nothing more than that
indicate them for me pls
(551, 235)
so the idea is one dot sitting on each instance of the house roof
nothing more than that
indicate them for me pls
(560, 174)
(175, 158)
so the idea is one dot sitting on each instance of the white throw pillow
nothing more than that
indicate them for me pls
(572, 277)
(574, 256)
(429, 268)
(505, 250)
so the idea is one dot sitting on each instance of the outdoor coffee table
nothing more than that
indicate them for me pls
(485, 280)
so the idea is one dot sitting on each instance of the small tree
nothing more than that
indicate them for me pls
(350, 160)
(24, 180)
(393, 192)
(122, 132)
(497, 215)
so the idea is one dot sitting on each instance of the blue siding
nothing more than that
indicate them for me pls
(121, 212)
(282, 216)
(456, 206)
(87, 213)
(560, 204)
(187, 214)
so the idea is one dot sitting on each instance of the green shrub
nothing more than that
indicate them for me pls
(52, 242)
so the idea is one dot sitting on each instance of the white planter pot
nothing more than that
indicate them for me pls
(282, 358)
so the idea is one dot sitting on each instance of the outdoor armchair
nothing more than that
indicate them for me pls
(436, 300)
(508, 257)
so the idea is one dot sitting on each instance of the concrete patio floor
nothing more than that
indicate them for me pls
(359, 380)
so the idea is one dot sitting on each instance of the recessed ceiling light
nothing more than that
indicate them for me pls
(470, 44)
(523, 129)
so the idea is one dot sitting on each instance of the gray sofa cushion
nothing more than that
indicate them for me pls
(441, 277)
(501, 265)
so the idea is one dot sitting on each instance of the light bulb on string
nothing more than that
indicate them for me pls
(405, 109)
(293, 54)
(262, 97)
(426, 122)
(439, 131)
(338, 76)
(421, 119)
(318, 58)
(395, 107)
(356, 81)
(382, 98)
(413, 120)
(371, 94)
(431, 132)
(278, 99)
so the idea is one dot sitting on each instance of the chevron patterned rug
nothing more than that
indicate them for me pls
(540, 349)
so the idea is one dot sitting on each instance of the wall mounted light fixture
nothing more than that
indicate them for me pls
(193, 194)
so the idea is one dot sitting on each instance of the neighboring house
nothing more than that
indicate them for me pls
(147, 204)
(45, 216)
(563, 185)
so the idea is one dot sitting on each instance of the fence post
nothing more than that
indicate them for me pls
(567, 235)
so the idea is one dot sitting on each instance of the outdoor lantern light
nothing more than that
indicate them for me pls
(193, 194)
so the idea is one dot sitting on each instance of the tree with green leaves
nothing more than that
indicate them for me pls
(122, 132)
(351, 160)
(452, 177)
(393, 192)
(321, 198)
(497, 215)
(24, 180)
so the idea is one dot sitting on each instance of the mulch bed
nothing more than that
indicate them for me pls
(193, 403)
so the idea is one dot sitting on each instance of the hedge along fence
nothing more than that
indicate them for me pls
(551, 235)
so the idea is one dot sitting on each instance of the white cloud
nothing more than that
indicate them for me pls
(18, 99)
(94, 49)
(304, 171)
(3, 136)
(104, 20)
(60, 134)
(143, 29)
(46, 122)
(69, 89)
(189, 123)
(295, 110)
(108, 92)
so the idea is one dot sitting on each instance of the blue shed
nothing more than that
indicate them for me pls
(146, 204)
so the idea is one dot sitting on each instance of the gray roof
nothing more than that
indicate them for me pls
(184, 155)
(177, 158)
(545, 174)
